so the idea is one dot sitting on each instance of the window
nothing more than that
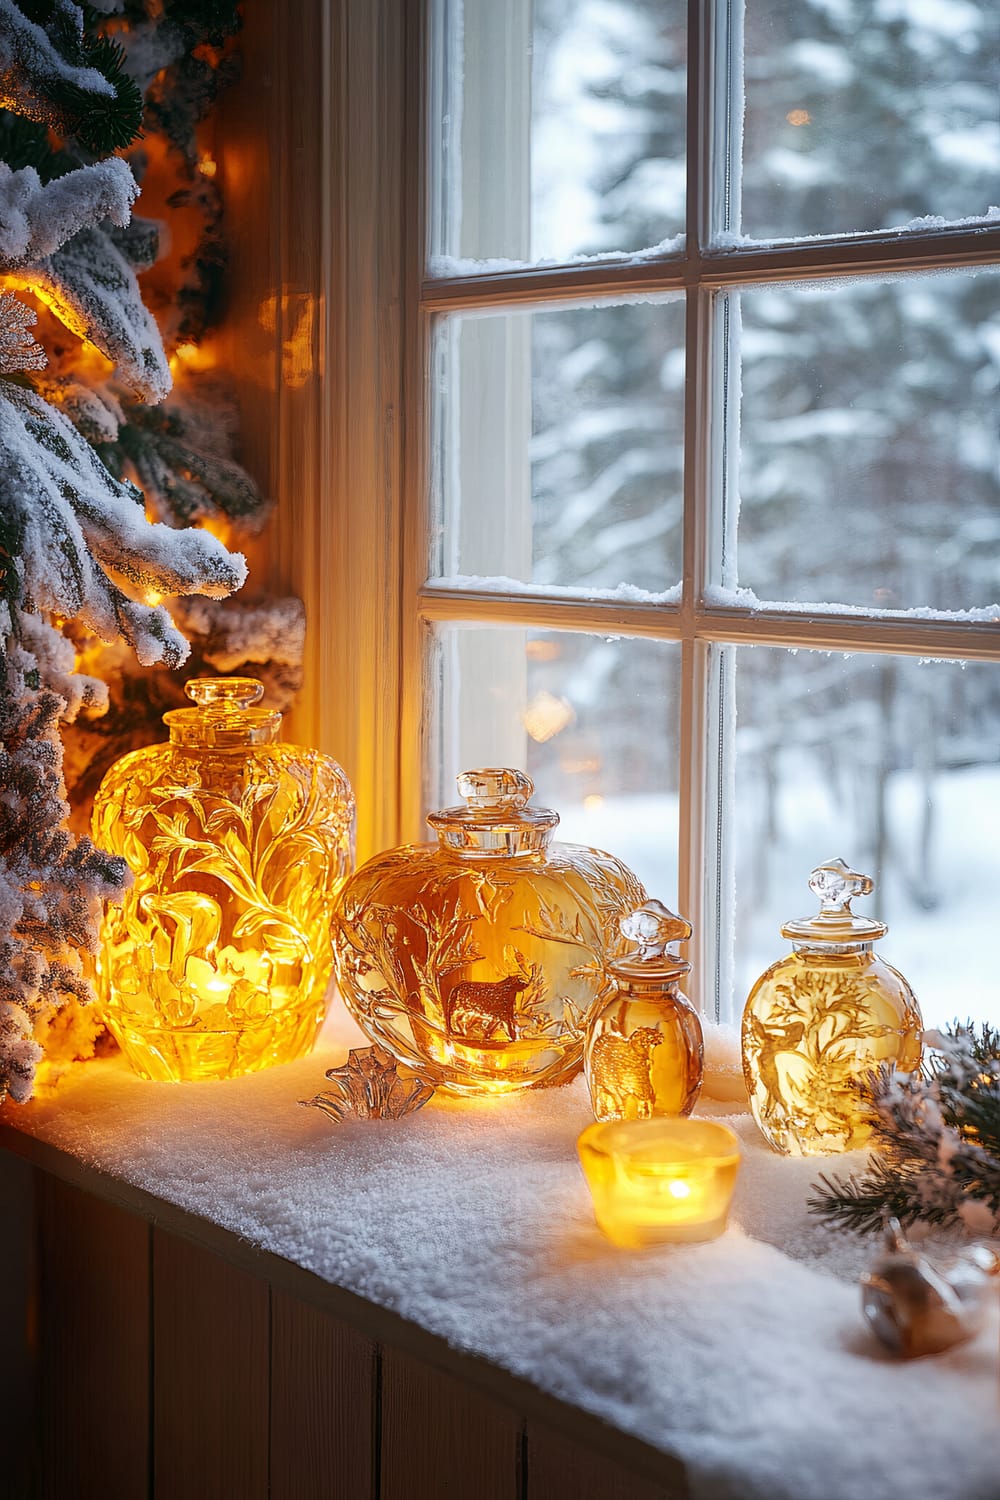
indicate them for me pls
(713, 539)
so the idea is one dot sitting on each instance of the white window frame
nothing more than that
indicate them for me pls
(353, 534)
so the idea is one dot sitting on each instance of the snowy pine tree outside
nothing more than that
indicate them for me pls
(864, 414)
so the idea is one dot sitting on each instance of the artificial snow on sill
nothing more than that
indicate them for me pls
(742, 598)
(746, 1357)
(622, 593)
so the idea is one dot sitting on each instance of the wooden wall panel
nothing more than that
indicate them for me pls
(17, 1320)
(441, 1440)
(93, 1280)
(323, 1389)
(558, 1469)
(210, 1376)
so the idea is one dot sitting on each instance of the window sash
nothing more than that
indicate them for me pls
(704, 274)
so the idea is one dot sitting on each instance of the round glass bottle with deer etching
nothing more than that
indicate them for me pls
(477, 960)
(822, 1018)
(644, 1051)
(217, 961)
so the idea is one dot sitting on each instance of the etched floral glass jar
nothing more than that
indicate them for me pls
(217, 961)
(644, 1050)
(820, 1019)
(478, 959)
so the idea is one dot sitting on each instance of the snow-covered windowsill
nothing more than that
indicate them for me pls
(746, 1357)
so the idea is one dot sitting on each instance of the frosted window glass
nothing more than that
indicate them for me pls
(560, 446)
(893, 764)
(592, 720)
(558, 127)
(870, 447)
(867, 114)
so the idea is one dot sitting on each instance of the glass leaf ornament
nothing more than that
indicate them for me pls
(822, 1018)
(217, 961)
(369, 1087)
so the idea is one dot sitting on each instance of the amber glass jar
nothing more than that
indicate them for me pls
(644, 1051)
(477, 960)
(217, 961)
(818, 1020)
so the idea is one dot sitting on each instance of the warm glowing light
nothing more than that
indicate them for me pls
(543, 650)
(192, 357)
(660, 1180)
(546, 716)
(799, 117)
(580, 766)
(299, 314)
(593, 802)
(217, 961)
(207, 166)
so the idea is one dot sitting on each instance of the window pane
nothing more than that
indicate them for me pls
(557, 127)
(893, 764)
(592, 720)
(866, 114)
(560, 446)
(870, 447)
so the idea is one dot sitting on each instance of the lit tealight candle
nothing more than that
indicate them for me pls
(660, 1179)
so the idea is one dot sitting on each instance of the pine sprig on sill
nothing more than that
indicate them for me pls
(862, 1203)
(938, 1139)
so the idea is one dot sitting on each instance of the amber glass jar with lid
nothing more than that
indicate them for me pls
(821, 1018)
(477, 959)
(217, 961)
(644, 1052)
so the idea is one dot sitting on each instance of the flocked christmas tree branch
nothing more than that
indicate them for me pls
(937, 1140)
(75, 542)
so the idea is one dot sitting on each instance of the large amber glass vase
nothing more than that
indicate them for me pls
(644, 1052)
(478, 959)
(822, 1018)
(218, 960)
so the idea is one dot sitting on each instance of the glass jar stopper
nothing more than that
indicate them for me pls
(224, 692)
(496, 818)
(226, 716)
(836, 885)
(652, 927)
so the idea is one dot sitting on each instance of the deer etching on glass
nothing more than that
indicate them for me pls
(622, 1070)
(479, 1008)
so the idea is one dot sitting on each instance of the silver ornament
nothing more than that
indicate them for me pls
(917, 1309)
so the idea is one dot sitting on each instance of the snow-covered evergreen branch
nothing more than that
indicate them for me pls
(75, 542)
(36, 218)
(937, 1140)
(51, 885)
(74, 83)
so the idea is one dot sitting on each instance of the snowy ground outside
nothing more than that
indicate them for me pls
(945, 953)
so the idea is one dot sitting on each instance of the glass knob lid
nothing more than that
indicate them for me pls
(497, 817)
(836, 885)
(652, 927)
(227, 692)
(226, 715)
(495, 787)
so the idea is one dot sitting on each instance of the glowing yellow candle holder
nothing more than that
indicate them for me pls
(660, 1180)
(217, 961)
